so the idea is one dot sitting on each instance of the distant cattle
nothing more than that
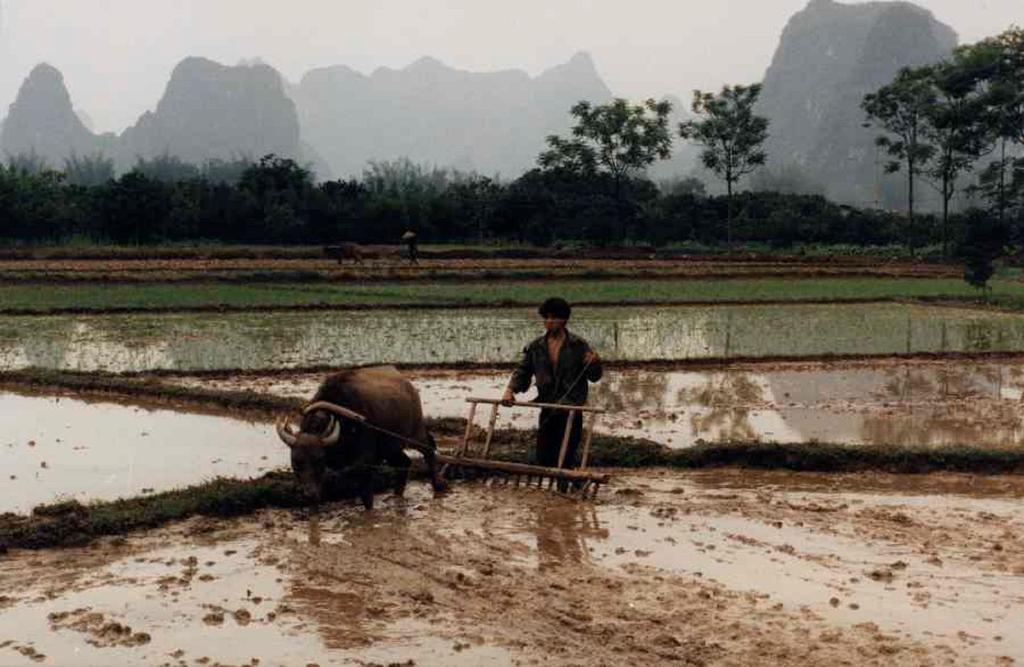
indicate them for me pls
(344, 251)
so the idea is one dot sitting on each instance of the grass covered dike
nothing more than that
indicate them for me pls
(43, 299)
(73, 524)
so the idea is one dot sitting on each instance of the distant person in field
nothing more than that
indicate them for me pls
(562, 364)
(411, 242)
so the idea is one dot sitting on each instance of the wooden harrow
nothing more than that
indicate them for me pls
(471, 461)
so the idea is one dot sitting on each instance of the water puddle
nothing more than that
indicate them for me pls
(910, 403)
(54, 448)
(255, 340)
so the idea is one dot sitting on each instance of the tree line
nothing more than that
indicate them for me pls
(943, 121)
(276, 201)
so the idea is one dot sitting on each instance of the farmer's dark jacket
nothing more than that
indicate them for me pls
(556, 384)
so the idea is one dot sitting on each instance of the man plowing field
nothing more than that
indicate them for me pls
(562, 364)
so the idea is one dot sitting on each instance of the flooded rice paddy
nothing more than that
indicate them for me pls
(726, 567)
(255, 340)
(54, 448)
(906, 403)
(732, 567)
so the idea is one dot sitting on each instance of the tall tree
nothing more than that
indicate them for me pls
(732, 136)
(611, 144)
(618, 138)
(957, 124)
(984, 240)
(1006, 100)
(901, 110)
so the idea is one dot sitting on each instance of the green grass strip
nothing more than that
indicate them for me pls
(41, 298)
(73, 524)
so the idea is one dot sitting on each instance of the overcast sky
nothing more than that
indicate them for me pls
(116, 55)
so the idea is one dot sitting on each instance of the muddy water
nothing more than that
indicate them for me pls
(295, 339)
(220, 603)
(920, 403)
(716, 567)
(848, 574)
(57, 448)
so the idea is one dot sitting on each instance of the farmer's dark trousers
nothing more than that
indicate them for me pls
(550, 431)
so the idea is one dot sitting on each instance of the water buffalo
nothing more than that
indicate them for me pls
(344, 251)
(333, 436)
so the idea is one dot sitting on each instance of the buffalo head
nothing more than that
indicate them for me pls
(319, 430)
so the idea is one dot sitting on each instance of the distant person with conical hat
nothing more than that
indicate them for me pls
(410, 241)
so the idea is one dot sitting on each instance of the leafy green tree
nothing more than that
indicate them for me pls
(957, 127)
(277, 191)
(609, 148)
(34, 205)
(475, 201)
(618, 138)
(133, 209)
(732, 136)
(984, 240)
(901, 110)
(1006, 113)
(88, 170)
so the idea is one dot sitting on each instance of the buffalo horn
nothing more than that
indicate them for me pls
(336, 409)
(284, 432)
(335, 433)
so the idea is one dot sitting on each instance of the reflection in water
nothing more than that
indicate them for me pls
(884, 403)
(562, 530)
(618, 392)
(727, 397)
(140, 342)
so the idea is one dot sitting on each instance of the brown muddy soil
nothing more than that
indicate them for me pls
(717, 568)
(396, 268)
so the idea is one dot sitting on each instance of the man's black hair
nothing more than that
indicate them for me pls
(556, 307)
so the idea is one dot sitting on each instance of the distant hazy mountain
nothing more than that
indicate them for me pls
(42, 121)
(829, 57)
(488, 122)
(213, 111)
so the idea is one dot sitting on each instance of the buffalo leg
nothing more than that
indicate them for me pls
(363, 468)
(399, 460)
(436, 480)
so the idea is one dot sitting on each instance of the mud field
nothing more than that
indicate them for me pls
(716, 567)
(389, 264)
(698, 568)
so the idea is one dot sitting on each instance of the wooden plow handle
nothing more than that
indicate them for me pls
(575, 411)
(542, 406)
